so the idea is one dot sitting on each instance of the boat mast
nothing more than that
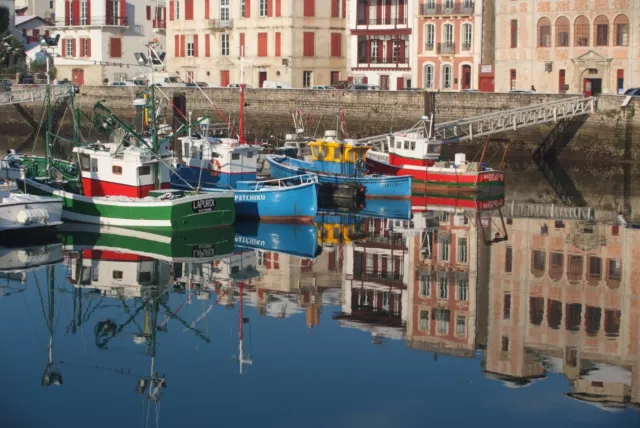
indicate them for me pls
(241, 130)
(154, 126)
(241, 359)
(48, 112)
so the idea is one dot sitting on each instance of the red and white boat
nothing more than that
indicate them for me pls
(415, 153)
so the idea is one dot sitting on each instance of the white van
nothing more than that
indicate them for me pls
(166, 79)
(272, 84)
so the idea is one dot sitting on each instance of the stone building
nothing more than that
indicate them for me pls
(381, 42)
(98, 38)
(448, 44)
(577, 46)
(299, 43)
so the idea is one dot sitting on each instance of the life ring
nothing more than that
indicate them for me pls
(214, 167)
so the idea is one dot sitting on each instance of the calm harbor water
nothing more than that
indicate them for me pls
(504, 312)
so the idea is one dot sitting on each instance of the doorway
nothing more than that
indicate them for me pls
(592, 87)
(561, 81)
(466, 77)
(384, 82)
(335, 77)
(77, 76)
(262, 76)
(224, 78)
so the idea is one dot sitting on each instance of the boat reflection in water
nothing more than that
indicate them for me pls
(16, 262)
(513, 292)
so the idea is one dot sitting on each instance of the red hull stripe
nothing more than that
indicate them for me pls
(420, 203)
(401, 160)
(105, 188)
(468, 178)
(113, 256)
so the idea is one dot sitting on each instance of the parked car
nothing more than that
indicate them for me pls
(319, 87)
(124, 83)
(342, 84)
(365, 87)
(274, 84)
(522, 91)
(470, 90)
(632, 92)
(237, 85)
(412, 89)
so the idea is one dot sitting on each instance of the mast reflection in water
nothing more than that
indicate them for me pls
(460, 304)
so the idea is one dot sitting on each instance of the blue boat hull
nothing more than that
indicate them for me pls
(297, 203)
(294, 239)
(375, 186)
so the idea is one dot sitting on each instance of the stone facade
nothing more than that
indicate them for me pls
(296, 43)
(581, 46)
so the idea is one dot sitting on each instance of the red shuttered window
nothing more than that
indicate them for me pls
(336, 44)
(278, 43)
(262, 44)
(308, 44)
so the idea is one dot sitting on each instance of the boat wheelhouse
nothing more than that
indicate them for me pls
(332, 156)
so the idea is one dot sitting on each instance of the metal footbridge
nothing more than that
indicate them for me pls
(494, 123)
(37, 93)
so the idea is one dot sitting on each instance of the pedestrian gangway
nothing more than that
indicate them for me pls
(37, 93)
(494, 123)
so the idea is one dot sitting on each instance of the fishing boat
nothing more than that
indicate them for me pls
(341, 162)
(214, 163)
(22, 214)
(415, 153)
(339, 229)
(293, 239)
(15, 261)
(123, 182)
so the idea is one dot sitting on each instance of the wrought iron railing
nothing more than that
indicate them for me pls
(78, 21)
(447, 8)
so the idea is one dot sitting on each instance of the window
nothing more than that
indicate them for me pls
(278, 43)
(308, 44)
(536, 310)
(448, 35)
(190, 45)
(117, 170)
(544, 33)
(336, 45)
(514, 33)
(505, 344)
(601, 25)
(446, 76)
(506, 307)
(562, 32)
(85, 47)
(94, 165)
(429, 37)
(443, 285)
(188, 10)
(235, 156)
(595, 268)
(461, 325)
(539, 257)
(442, 317)
(424, 320)
(512, 76)
(309, 8)
(581, 31)
(428, 76)
(84, 17)
(508, 260)
(621, 28)
(177, 9)
(68, 47)
(115, 45)
(263, 7)
(448, 4)
(144, 170)
(462, 250)
(224, 10)
(443, 247)
(462, 288)
(306, 79)
(243, 9)
(425, 284)
(85, 162)
(262, 44)
(466, 37)
(374, 50)
(224, 44)
(615, 269)
(117, 274)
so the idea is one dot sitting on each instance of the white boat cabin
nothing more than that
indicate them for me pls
(300, 143)
(412, 148)
(112, 169)
(221, 156)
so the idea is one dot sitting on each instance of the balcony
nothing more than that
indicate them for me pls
(465, 46)
(447, 48)
(94, 21)
(160, 23)
(383, 21)
(447, 8)
(219, 24)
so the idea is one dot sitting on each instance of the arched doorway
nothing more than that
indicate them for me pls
(77, 76)
(466, 76)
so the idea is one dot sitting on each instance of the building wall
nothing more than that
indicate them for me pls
(39, 8)
(288, 67)
(136, 32)
(427, 54)
(541, 66)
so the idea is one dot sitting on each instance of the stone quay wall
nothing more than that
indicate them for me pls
(613, 131)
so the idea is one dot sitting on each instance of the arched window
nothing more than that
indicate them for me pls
(429, 37)
(581, 31)
(428, 76)
(466, 36)
(601, 34)
(447, 35)
(621, 28)
(562, 31)
(544, 33)
(446, 76)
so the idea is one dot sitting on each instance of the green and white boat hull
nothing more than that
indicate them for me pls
(188, 212)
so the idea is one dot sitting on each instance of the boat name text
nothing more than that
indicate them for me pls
(203, 205)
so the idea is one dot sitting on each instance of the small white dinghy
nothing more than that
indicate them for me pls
(24, 213)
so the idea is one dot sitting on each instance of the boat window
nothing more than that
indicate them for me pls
(144, 170)
(117, 274)
(413, 145)
(94, 165)
(235, 156)
(85, 162)
(406, 145)
(314, 151)
(398, 144)
(249, 154)
(186, 149)
(433, 148)
(352, 156)
(116, 170)
(336, 153)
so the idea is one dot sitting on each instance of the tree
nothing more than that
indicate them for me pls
(11, 50)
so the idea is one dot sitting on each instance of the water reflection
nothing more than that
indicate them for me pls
(516, 293)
